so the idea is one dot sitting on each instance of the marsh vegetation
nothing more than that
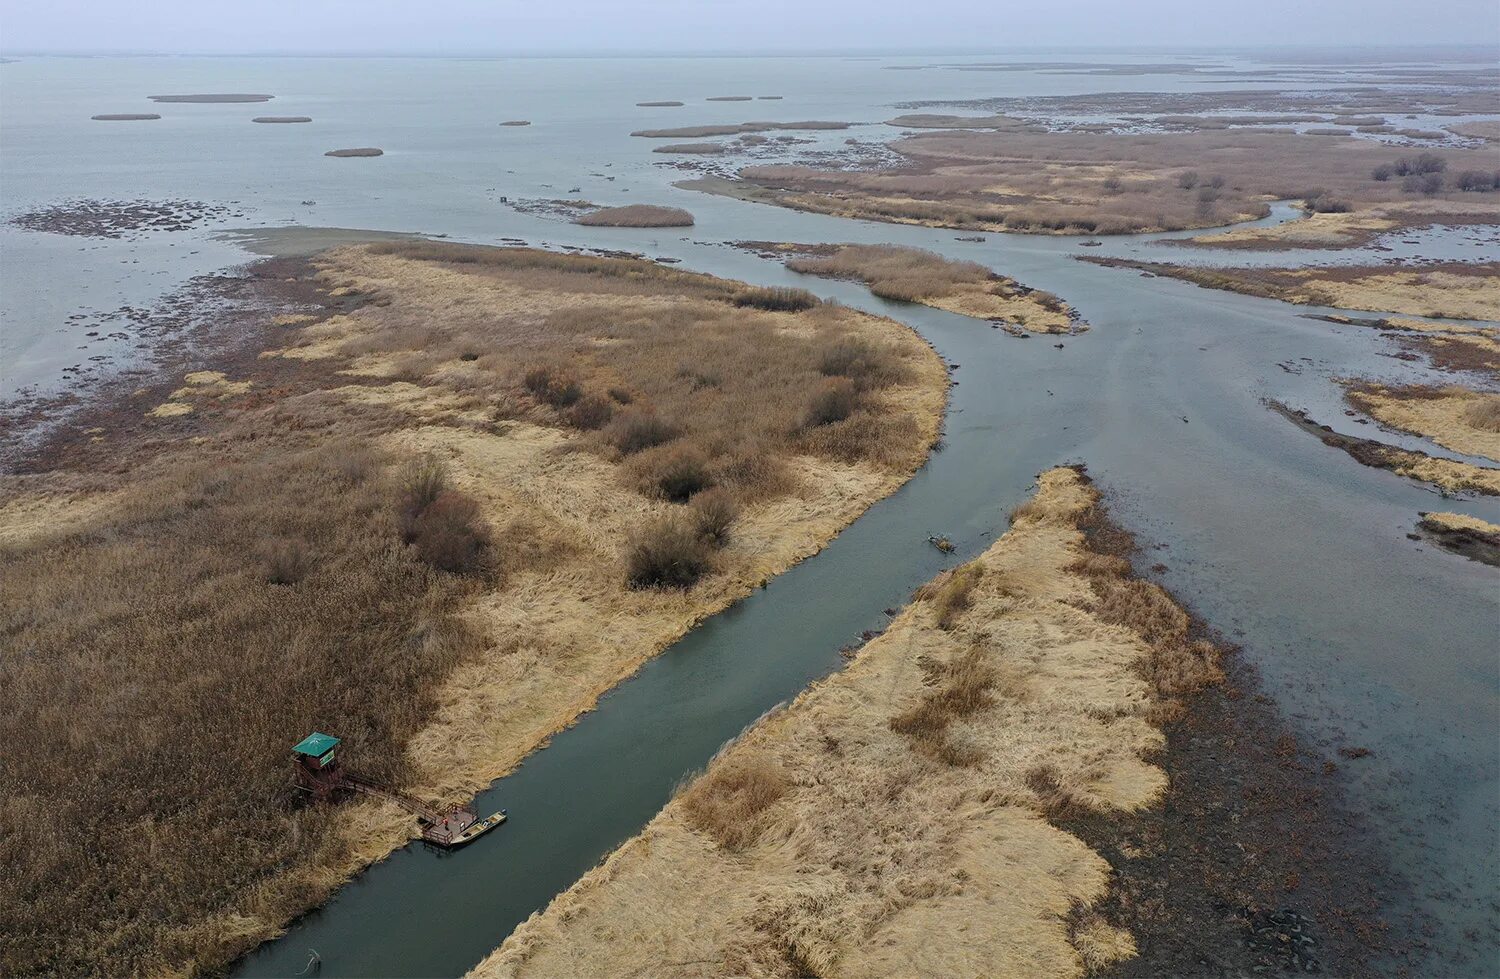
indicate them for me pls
(401, 522)
(901, 816)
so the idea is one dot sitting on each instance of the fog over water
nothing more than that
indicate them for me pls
(489, 27)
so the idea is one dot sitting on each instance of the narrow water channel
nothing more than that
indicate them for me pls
(1291, 548)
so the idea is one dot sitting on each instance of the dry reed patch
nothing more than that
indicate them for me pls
(203, 614)
(914, 275)
(637, 216)
(1454, 290)
(1454, 417)
(898, 811)
(159, 665)
(1104, 183)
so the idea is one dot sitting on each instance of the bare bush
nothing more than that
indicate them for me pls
(420, 482)
(1478, 181)
(590, 412)
(714, 514)
(776, 299)
(287, 562)
(674, 472)
(835, 402)
(552, 386)
(667, 553)
(451, 535)
(1426, 184)
(1422, 163)
(639, 431)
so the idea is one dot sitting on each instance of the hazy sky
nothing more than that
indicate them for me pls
(510, 26)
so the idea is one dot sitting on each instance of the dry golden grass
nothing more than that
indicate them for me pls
(1462, 523)
(1456, 290)
(895, 819)
(176, 620)
(919, 276)
(1454, 417)
(637, 216)
(1104, 183)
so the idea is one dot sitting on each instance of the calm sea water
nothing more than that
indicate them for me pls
(1293, 549)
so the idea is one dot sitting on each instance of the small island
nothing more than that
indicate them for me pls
(124, 116)
(213, 97)
(690, 148)
(282, 119)
(357, 151)
(636, 216)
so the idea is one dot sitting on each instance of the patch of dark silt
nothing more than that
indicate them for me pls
(121, 219)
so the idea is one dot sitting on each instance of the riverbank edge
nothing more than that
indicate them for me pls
(1250, 822)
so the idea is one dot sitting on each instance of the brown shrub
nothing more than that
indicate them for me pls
(451, 535)
(667, 553)
(776, 299)
(552, 386)
(590, 412)
(730, 803)
(287, 562)
(847, 357)
(714, 514)
(639, 431)
(835, 402)
(673, 472)
(420, 482)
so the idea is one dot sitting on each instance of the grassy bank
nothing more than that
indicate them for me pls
(914, 275)
(900, 817)
(402, 521)
(1457, 418)
(1455, 290)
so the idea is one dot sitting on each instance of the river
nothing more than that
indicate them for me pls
(1291, 548)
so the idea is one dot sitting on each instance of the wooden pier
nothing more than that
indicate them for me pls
(324, 779)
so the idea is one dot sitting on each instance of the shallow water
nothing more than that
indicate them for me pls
(1291, 548)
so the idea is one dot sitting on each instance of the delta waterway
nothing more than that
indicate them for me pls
(1293, 549)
